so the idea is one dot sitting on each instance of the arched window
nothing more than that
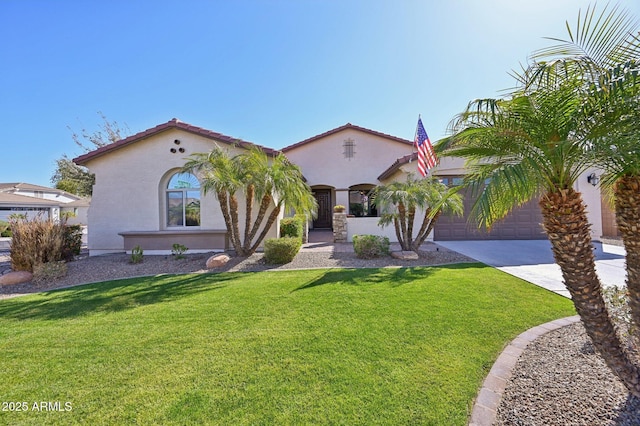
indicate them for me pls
(183, 200)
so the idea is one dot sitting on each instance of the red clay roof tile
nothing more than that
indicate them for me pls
(174, 123)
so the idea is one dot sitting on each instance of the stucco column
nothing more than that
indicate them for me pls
(342, 197)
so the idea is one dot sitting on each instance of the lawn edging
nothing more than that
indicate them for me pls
(490, 394)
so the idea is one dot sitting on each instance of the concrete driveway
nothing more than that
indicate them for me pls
(532, 260)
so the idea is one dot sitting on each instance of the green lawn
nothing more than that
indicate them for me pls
(370, 346)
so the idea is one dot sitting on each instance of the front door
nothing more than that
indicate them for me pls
(323, 197)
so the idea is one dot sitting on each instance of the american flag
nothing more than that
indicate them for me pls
(426, 155)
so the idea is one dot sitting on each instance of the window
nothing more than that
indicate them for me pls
(451, 180)
(360, 202)
(183, 200)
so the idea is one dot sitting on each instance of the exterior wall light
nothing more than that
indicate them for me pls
(593, 179)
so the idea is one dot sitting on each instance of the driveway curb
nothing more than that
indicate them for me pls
(490, 394)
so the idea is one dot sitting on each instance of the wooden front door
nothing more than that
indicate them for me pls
(323, 197)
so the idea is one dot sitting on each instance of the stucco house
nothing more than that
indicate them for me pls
(141, 198)
(32, 200)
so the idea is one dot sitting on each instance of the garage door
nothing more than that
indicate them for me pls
(522, 223)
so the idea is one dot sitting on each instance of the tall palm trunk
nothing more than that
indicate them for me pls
(426, 228)
(565, 222)
(249, 212)
(411, 217)
(223, 199)
(402, 215)
(627, 194)
(396, 225)
(235, 228)
(262, 211)
(270, 221)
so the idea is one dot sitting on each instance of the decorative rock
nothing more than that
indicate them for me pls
(16, 277)
(217, 261)
(405, 255)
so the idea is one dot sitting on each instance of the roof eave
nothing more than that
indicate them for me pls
(82, 160)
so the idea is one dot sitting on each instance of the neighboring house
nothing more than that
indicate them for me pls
(11, 204)
(140, 198)
(32, 200)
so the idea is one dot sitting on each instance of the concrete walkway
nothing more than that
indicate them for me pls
(532, 260)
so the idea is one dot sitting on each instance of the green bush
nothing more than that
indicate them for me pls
(292, 227)
(178, 251)
(4, 227)
(370, 246)
(281, 250)
(305, 229)
(137, 254)
(35, 242)
(72, 241)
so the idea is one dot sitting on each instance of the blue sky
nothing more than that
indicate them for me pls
(273, 72)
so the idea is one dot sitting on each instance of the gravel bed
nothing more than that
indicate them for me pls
(88, 269)
(558, 380)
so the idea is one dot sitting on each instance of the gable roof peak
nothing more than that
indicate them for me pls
(345, 127)
(174, 123)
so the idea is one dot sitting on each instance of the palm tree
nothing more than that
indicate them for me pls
(404, 199)
(219, 174)
(605, 50)
(279, 182)
(536, 143)
(269, 182)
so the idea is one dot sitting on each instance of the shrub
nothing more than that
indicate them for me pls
(34, 242)
(281, 250)
(305, 228)
(137, 254)
(4, 227)
(44, 272)
(292, 227)
(370, 246)
(617, 300)
(178, 251)
(72, 241)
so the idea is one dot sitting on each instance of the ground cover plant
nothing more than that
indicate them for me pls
(364, 346)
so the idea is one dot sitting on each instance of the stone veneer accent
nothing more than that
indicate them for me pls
(339, 227)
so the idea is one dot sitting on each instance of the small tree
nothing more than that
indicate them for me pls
(400, 201)
(75, 179)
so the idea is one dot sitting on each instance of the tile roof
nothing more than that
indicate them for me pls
(396, 165)
(171, 124)
(346, 127)
(22, 200)
(26, 187)
(22, 186)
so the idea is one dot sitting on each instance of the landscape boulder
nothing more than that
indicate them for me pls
(16, 277)
(405, 255)
(217, 261)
